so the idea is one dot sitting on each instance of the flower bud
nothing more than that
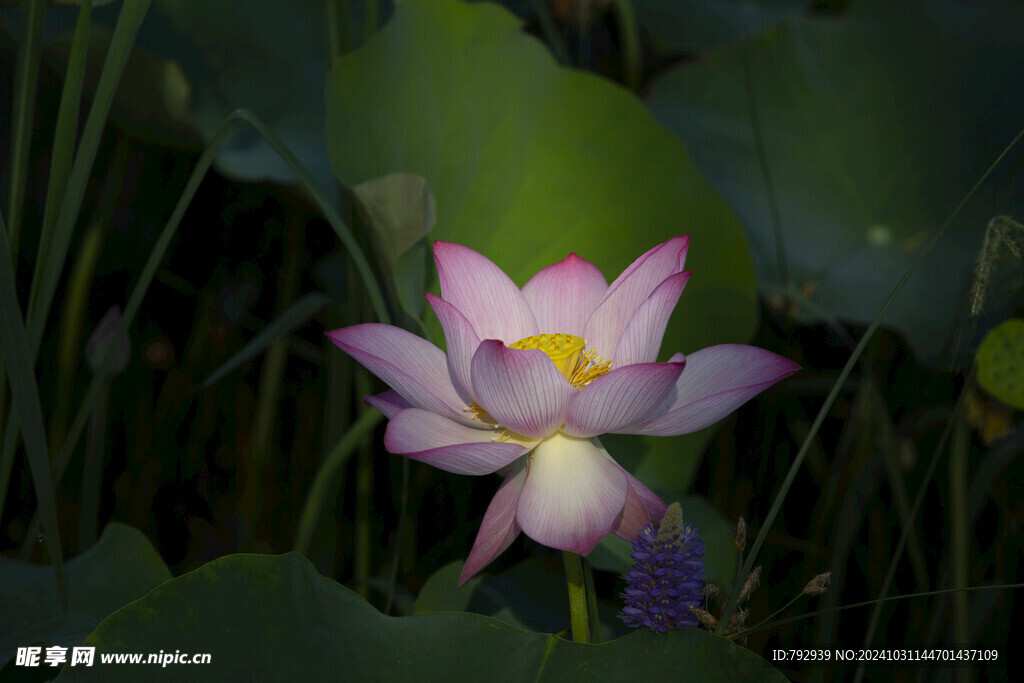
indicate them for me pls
(100, 339)
(818, 585)
(741, 534)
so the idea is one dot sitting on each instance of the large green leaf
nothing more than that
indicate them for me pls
(122, 566)
(529, 161)
(275, 618)
(874, 125)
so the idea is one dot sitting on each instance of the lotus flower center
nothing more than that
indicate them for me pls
(566, 352)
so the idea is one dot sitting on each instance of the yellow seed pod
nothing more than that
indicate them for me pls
(1000, 362)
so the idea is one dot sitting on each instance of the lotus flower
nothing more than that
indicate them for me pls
(533, 376)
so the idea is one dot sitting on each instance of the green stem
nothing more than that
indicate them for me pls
(69, 347)
(337, 24)
(372, 20)
(92, 474)
(324, 483)
(960, 545)
(629, 43)
(547, 26)
(364, 494)
(272, 377)
(897, 553)
(595, 618)
(577, 596)
(26, 81)
(866, 603)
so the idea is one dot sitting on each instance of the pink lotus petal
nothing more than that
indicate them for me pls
(462, 342)
(634, 517)
(563, 295)
(574, 494)
(499, 527)
(717, 380)
(623, 397)
(624, 296)
(436, 440)
(652, 501)
(482, 292)
(521, 389)
(388, 403)
(410, 365)
(641, 340)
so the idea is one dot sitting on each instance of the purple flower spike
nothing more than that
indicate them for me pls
(668, 575)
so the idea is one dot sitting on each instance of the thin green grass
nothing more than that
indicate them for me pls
(50, 263)
(324, 486)
(25, 83)
(163, 242)
(877, 602)
(297, 314)
(780, 497)
(63, 150)
(26, 406)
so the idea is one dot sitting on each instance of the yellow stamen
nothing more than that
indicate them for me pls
(480, 414)
(563, 349)
(589, 367)
(566, 352)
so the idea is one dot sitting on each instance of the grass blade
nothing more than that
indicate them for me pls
(63, 147)
(328, 211)
(66, 129)
(163, 242)
(877, 602)
(25, 404)
(959, 552)
(297, 314)
(50, 265)
(25, 83)
(268, 396)
(324, 483)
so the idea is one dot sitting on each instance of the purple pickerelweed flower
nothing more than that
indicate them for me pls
(667, 577)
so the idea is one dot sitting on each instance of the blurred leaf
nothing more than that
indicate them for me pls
(1001, 363)
(441, 594)
(121, 567)
(154, 99)
(543, 162)
(270, 59)
(410, 277)
(874, 124)
(401, 211)
(612, 553)
(290, 319)
(698, 25)
(199, 61)
(276, 618)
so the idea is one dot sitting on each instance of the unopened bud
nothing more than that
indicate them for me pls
(671, 524)
(818, 585)
(741, 534)
(100, 339)
(751, 584)
(737, 621)
(704, 617)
